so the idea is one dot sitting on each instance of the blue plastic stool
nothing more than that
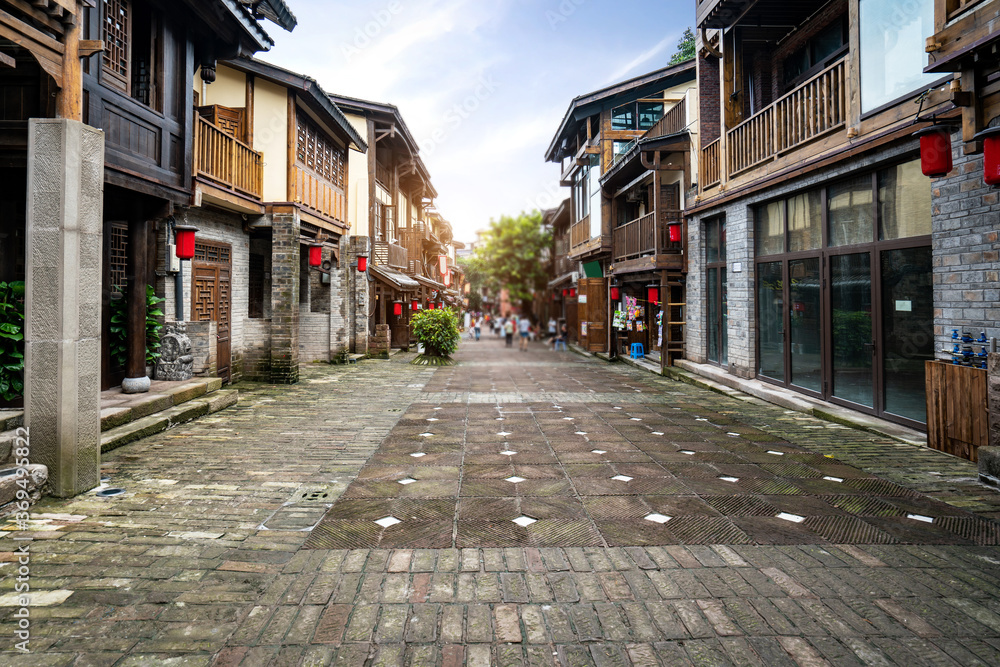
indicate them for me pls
(636, 351)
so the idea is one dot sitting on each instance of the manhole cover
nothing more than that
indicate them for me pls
(110, 492)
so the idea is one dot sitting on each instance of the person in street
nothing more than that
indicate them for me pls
(508, 330)
(562, 337)
(524, 327)
(552, 330)
(478, 326)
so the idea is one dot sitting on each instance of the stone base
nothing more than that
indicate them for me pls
(135, 385)
(430, 360)
(31, 484)
(989, 465)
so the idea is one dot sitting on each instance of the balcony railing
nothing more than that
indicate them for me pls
(579, 233)
(711, 164)
(635, 239)
(673, 121)
(227, 161)
(318, 194)
(809, 111)
(391, 255)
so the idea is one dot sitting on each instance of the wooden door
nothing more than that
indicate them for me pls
(582, 313)
(211, 298)
(399, 326)
(597, 314)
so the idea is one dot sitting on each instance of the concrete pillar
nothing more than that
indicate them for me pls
(359, 294)
(285, 269)
(62, 396)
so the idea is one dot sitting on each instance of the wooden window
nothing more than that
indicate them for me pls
(117, 43)
(318, 153)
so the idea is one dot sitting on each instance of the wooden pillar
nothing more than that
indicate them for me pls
(664, 331)
(135, 381)
(69, 99)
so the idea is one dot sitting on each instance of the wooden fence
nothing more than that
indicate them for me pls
(223, 159)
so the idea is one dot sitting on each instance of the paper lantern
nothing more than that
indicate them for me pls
(397, 308)
(184, 239)
(653, 294)
(991, 155)
(615, 293)
(935, 150)
(415, 305)
(675, 233)
(565, 292)
(572, 292)
(362, 263)
(430, 306)
(315, 254)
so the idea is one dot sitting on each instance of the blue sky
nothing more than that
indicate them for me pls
(482, 84)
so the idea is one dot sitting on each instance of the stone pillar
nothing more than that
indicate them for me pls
(62, 396)
(285, 270)
(360, 294)
(993, 392)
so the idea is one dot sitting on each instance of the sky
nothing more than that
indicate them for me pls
(481, 84)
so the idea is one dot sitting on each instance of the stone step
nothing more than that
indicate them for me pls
(145, 426)
(33, 482)
(11, 419)
(139, 406)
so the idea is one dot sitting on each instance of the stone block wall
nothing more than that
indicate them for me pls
(966, 218)
(314, 337)
(204, 347)
(257, 350)
(359, 294)
(381, 343)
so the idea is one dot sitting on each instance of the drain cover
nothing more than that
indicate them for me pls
(110, 492)
(315, 495)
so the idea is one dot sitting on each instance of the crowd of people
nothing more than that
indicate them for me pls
(522, 326)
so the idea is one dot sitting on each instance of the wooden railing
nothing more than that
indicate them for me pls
(809, 111)
(673, 121)
(668, 218)
(564, 265)
(391, 255)
(383, 175)
(579, 233)
(225, 160)
(711, 164)
(318, 194)
(634, 239)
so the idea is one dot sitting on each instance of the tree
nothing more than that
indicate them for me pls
(685, 48)
(475, 275)
(515, 255)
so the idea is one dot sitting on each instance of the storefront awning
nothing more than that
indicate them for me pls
(564, 279)
(394, 279)
(427, 282)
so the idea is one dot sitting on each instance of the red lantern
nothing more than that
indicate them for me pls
(615, 293)
(653, 294)
(572, 292)
(184, 240)
(414, 305)
(675, 233)
(430, 306)
(565, 292)
(443, 264)
(935, 150)
(991, 155)
(362, 263)
(397, 308)
(315, 254)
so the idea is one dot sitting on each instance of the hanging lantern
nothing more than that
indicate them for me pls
(430, 306)
(615, 293)
(447, 279)
(653, 294)
(991, 155)
(675, 233)
(572, 292)
(443, 264)
(935, 150)
(415, 305)
(184, 240)
(565, 293)
(397, 308)
(362, 263)
(315, 255)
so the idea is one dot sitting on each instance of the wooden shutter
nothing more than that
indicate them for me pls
(582, 311)
(230, 120)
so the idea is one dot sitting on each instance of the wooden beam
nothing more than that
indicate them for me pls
(249, 103)
(89, 47)
(8, 61)
(293, 133)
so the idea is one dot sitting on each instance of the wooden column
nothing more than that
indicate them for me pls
(664, 332)
(136, 274)
(69, 99)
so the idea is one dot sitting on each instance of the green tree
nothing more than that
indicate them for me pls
(685, 48)
(437, 331)
(515, 255)
(475, 275)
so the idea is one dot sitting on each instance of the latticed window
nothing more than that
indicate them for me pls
(318, 153)
(117, 40)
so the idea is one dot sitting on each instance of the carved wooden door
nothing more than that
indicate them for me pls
(211, 298)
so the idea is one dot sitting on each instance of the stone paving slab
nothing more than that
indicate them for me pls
(201, 561)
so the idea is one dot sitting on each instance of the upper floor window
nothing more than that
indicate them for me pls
(132, 57)
(640, 115)
(812, 56)
(893, 36)
(319, 153)
(581, 193)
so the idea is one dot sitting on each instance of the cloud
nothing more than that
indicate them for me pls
(641, 59)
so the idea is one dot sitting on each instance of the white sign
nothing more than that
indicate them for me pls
(904, 306)
(737, 267)
(582, 298)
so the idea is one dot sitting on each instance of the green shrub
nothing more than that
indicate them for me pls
(437, 330)
(11, 340)
(119, 327)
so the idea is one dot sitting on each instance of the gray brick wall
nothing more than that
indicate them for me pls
(285, 269)
(257, 350)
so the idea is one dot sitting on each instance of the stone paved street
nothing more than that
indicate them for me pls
(656, 523)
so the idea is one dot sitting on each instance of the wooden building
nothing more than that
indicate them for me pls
(823, 260)
(623, 154)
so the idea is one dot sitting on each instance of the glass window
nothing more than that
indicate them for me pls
(715, 234)
(805, 222)
(649, 114)
(771, 228)
(623, 117)
(621, 147)
(805, 307)
(850, 212)
(893, 37)
(904, 202)
(771, 311)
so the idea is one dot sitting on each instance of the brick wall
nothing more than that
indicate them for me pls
(257, 350)
(285, 269)
(314, 337)
(381, 342)
(966, 219)
(710, 115)
(359, 294)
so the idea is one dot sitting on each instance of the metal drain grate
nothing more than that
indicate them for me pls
(315, 496)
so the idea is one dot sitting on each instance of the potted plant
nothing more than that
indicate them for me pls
(437, 330)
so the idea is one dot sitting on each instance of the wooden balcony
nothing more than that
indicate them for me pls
(644, 237)
(318, 194)
(711, 164)
(808, 112)
(390, 254)
(227, 162)
(673, 121)
(579, 233)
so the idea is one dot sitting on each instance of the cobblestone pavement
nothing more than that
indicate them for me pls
(249, 537)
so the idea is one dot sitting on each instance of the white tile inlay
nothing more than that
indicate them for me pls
(727, 478)
(426, 435)
(622, 478)
(636, 419)
(433, 419)
(657, 518)
(581, 433)
(794, 518)
(920, 517)
(504, 434)
(408, 480)
(597, 451)
(514, 479)
(417, 455)
(524, 521)
(735, 435)
(687, 451)
(508, 452)
(771, 451)
(657, 432)
(385, 522)
(832, 479)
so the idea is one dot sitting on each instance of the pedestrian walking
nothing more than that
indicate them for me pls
(562, 337)
(552, 330)
(524, 327)
(508, 330)
(479, 326)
